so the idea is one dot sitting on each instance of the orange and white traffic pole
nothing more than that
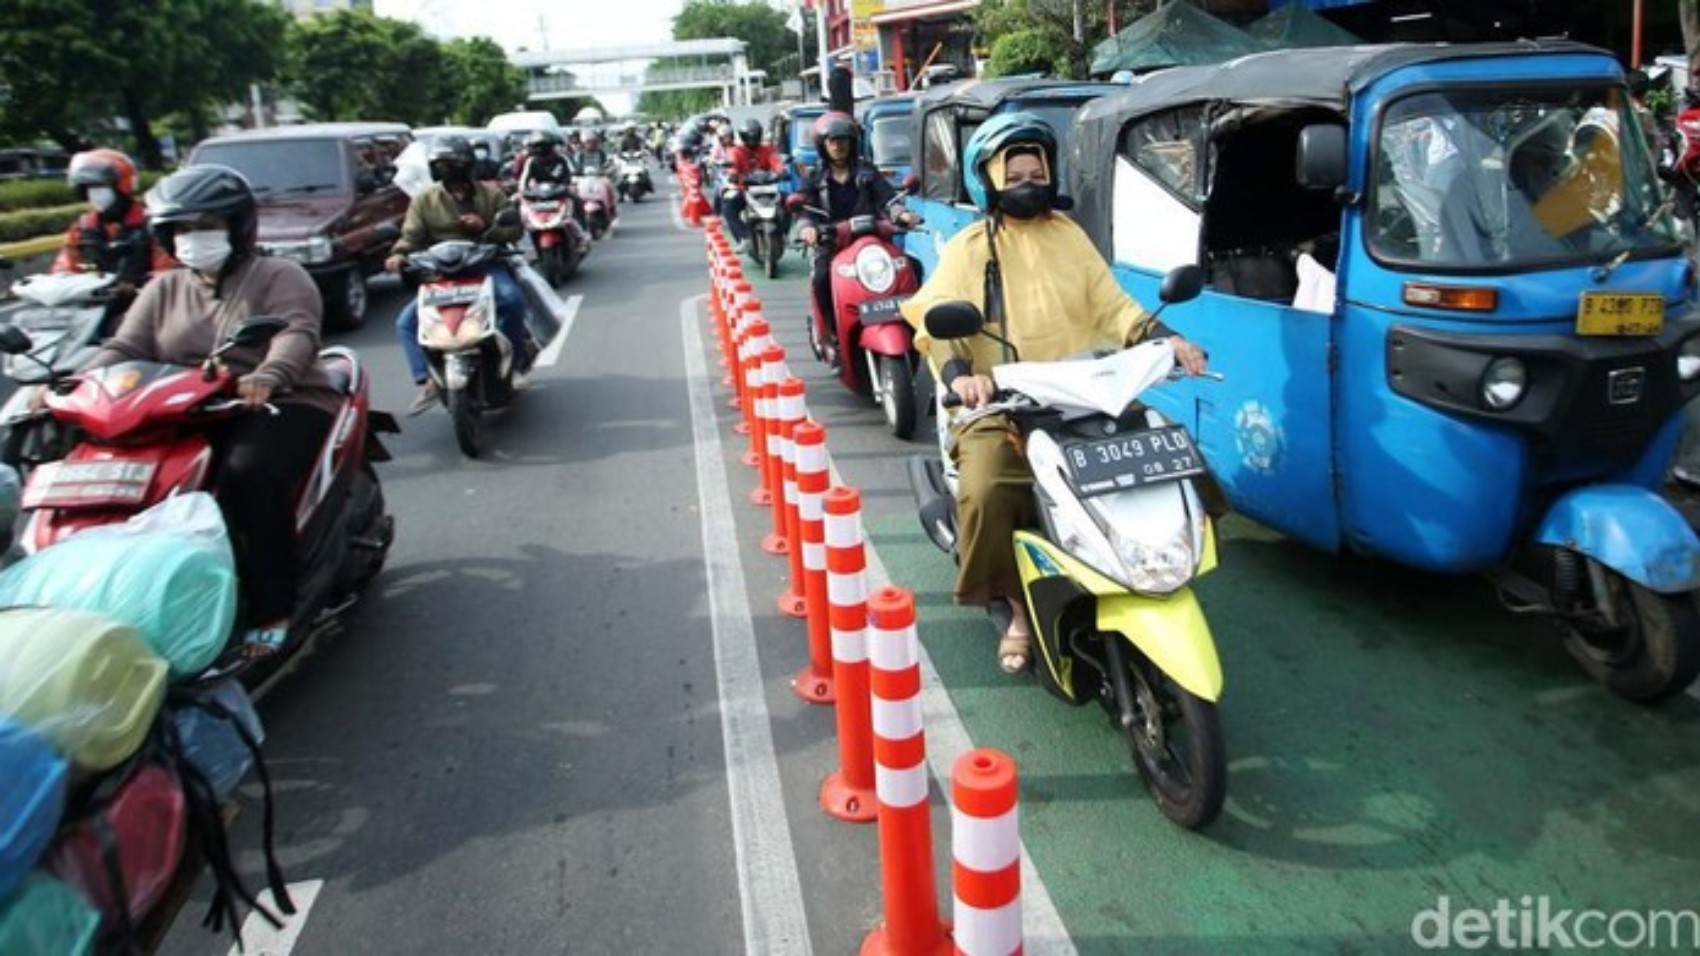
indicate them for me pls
(848, 792)
(813, 683)
(792, 602)
(772, 492)
(985, 842)
(912, 925)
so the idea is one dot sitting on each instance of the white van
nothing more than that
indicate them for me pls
(523, 122)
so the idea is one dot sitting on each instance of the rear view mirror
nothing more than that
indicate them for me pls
(796, 201)
(366, 182)
(256, 329)
(1182, 284)
(507, 218)
(1321, 162)
(954, 320)
(386, 232)
(13, 340)
(911, 184)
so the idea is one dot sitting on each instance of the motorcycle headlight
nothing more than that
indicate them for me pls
(1148, 567)
(1504, 382)
(875, 269)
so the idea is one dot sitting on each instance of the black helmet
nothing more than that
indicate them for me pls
(196, 191)
(690, 139)
(450, 154)
(835, 125)
(543, 142)
(750, 133)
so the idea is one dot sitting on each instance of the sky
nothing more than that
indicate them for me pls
(543, 24)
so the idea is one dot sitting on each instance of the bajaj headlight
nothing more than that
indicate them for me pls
(875, 269)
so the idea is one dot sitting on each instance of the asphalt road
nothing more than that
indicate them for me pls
(562, 721)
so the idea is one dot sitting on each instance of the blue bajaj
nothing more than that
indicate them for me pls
(888, 136)
(944, 120)
(1456, 324)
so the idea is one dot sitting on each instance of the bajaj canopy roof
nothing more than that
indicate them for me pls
(1319, 77)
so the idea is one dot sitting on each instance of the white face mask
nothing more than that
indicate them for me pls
(102, 197)
(203, 251)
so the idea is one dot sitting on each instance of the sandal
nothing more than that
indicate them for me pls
(1015, 652)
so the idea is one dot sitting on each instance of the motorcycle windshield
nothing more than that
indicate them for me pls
(1510, 179)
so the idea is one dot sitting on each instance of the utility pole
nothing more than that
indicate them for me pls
(820, 42)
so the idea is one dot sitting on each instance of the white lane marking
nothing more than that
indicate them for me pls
(1042, 928)
(260, 938)
(567, 312)
(769, 890)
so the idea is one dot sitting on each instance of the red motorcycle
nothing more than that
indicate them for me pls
(1681, 167)
(546, 211)
(142, 438)
(868, 342)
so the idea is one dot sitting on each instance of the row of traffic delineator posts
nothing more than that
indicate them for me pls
(863, 656)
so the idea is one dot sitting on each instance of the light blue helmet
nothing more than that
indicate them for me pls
(995, 134)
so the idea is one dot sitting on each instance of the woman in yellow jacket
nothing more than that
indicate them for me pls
(1044, 287)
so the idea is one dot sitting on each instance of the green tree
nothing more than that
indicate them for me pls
(760, 26)
(1075, 26)
(481, 80)
(68, 66)
(1038, 50)
(353, 65)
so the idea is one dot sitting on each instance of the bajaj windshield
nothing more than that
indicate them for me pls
(1503, 180)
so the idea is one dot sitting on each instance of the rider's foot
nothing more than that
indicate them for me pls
(1015, 649)
(425, 400)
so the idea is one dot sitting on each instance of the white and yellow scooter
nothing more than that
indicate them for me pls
(1123, 533)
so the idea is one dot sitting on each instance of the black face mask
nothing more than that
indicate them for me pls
(1025, 201)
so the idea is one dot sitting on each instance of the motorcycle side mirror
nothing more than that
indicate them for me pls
(796, 201)
(507, 218)
(386, 232)
(911, 185)
(954, 320)
(254, 330)
(1181, 284)
(14, 341)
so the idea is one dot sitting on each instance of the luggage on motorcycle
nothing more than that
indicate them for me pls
(207, 718)
(122, 849)
(44, 915)
(168, 572)
(83, 681)
(31, 800)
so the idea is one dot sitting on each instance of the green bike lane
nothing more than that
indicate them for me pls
(1403, 754)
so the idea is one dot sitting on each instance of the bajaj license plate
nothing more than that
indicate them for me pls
(1131, 460)
(879, 310)
(1620, 313)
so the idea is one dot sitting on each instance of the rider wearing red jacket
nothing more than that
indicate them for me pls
(751, 155)
(113, 235)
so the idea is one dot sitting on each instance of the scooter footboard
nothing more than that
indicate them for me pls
(1172, 632)
(1631, 531)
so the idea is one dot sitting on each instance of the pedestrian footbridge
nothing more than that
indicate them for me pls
(718, 63)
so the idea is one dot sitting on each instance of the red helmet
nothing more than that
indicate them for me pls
(102, 167)
(835, 125)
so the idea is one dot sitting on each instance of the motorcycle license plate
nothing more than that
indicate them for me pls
(879, 310)
(1131, 460)
(1620, 313)
(63, 484)
(441, 295)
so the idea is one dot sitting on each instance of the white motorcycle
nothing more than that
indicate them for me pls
(64, 314)
(765, 218)
(1123, 532)
(631, 172)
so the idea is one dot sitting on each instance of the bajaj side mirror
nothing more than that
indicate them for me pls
(1321, 162)
(954, 320)
(1182, 284)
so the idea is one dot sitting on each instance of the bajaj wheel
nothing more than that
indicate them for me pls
(1174, 737)
(1653, 653)
(897, 395)
(467, 417)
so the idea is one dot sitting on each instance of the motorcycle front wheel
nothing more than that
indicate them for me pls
(1653, 653)
(771, 248)
(897, 396)
(468, 420)
(1173, 736)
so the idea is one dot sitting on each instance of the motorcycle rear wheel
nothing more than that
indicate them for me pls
(468, 421)
(1653, 654)
(1173, 736)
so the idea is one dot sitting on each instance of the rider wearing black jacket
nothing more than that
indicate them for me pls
(843, 187)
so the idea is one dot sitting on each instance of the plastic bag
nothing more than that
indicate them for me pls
(125, 847)
(85, 682)
(412, 170)
(31, 800)
(209, 738)
(46, 916)
(168, 571)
